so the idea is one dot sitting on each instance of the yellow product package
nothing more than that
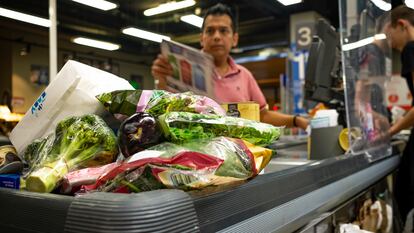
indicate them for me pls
(262, 156)
(246, 110)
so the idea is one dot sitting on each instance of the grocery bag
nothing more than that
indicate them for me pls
(72, 93)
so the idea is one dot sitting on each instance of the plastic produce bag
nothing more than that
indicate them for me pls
(156, 102)
(77, 142)
(74, 180)
(189, 166)
(71, 93)
(180, 127)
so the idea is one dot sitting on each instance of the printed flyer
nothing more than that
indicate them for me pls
(192, 69)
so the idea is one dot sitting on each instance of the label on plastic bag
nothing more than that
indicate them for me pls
(175, 179)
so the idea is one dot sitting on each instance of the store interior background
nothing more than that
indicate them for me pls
(264, 28)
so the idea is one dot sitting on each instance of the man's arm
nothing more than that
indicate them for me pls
(280, 119)
(405, 122)
(160, 69)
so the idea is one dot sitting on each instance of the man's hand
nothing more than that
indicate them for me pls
(160, 69)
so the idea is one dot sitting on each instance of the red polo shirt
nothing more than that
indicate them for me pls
(238, 85)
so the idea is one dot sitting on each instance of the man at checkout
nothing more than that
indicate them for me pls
(232, 82)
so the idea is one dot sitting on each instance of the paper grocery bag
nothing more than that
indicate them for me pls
(72, 93)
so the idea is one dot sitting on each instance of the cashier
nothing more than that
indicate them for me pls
(401, 35)
(232, 82)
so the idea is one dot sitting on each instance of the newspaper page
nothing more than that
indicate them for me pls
(193, 69)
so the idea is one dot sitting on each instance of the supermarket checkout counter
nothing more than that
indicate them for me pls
(283, 199)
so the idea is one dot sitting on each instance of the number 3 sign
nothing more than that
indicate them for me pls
(304, 33)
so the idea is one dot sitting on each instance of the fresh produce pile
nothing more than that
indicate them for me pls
(164, 140)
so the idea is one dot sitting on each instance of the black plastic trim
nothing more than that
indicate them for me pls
(221, 210)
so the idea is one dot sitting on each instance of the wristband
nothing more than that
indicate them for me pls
(294, 121)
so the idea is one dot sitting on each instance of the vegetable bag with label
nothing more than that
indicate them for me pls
(78, 142)
(189, 166)
(181, 127)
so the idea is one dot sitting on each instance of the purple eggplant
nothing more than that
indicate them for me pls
(138, 132)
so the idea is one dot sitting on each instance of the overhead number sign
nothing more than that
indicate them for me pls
(304, 33)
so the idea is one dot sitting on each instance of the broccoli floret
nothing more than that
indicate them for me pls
(31, 151)
(79, 142)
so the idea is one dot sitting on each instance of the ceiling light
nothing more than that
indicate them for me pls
(363, 42)
(193, 20)
(145, 34)
(169, 6)
(237, 50)
(289, 2)
(24, 17)
(381, 36)
(383, 5)
(96, 43)
(100, 4)
(409, 3)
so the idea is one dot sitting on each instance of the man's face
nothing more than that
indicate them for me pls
(218, 37)
(396, 35)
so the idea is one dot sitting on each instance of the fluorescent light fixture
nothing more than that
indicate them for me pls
(289, 2)
(24, 17)
(383, 5)
(193, 20)
(169, 6)
(96, 43)
(145, 34)
(100, 4)
(237, 50)
(363, 42)
(409, 3)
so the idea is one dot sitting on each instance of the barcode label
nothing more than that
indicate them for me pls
(179, 179)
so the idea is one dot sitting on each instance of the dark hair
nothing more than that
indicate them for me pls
(221, 9)
(402, 12)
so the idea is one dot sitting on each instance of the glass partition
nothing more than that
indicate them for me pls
(366, 61)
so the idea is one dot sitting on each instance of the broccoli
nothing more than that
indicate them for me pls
(38, 151)
(83, 141)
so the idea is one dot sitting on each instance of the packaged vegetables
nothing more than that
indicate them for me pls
(193, 165)
(168, 140)
(127, 102)
(183, 127)
(74, 180)
(77, 142)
